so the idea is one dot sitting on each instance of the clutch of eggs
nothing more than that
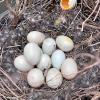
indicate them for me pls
(41, 52)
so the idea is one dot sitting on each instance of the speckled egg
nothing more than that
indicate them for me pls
(49, 46)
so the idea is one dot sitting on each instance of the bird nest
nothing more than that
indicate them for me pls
(80, 23)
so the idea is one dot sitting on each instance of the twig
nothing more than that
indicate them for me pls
(94, 44)
(7, 2)
(87, 4)
(1, 95)
(16, 11)
(13, 46)
(83, 24)
(92, 65)
(17, 4)
(2, 71)
(88, 67)
(73, 21)
(23, 8)
(2, 86)
(1, 55)
(9, 88)
(92, 26)
(97, 14)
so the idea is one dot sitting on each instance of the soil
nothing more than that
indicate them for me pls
(47, 17)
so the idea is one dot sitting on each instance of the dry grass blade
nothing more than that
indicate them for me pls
(16, 11)
(83, 24)
(9, 89)
(8, 4)
(23, 8)
(5, 74)
(97, 62)
(97, 14)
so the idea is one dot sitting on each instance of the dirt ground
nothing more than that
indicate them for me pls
(47, 16)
